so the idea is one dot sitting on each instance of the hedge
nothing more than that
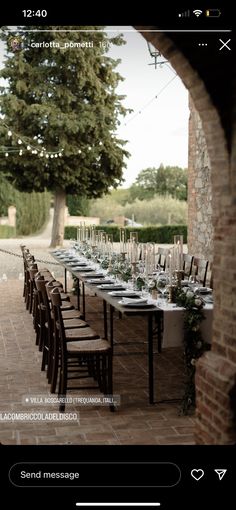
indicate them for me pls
(162, 234)
(6, 232)
(32, 212)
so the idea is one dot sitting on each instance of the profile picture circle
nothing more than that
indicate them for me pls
(15, 43)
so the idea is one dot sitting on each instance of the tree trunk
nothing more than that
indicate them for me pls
(58, 218)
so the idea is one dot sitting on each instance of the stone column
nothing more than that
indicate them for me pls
(200, 229)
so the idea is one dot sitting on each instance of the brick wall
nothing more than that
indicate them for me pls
(200, 229)
(216, 370)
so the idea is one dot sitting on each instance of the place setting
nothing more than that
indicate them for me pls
(136, 302)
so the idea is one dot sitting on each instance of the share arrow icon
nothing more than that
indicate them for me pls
(220, 473)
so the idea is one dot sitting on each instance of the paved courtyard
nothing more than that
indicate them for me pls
(134, 422)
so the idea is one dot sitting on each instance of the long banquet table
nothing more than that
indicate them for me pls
(165, 320)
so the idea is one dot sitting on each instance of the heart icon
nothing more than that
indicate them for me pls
(197, 474)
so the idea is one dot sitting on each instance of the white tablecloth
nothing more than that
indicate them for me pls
(174, 327)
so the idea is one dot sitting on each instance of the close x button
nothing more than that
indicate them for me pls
(224, 45)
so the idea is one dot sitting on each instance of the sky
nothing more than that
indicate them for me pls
(159, 133)
(157, 129)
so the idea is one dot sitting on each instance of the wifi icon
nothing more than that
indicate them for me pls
(197, 12)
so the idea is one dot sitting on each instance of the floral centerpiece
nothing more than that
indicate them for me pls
(194, 345)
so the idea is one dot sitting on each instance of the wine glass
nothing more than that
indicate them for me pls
(161, 284)
(193, 282)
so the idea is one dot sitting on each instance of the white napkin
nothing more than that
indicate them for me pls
(128, 301)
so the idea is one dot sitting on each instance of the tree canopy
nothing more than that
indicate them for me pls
(63, 99)
(169, 180)
(60, 104)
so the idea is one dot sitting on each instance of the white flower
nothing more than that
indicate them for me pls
(189, 294)
(197, 302)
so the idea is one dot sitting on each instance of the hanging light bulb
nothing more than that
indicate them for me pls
(6, 154)
(56, 156)
(51, 156)
(79, 151)
(47, 155)
(89, 148)
(28, 148)
(41, 154)
(20, 153)
(60, 154)
(9, 133)
(19, 141)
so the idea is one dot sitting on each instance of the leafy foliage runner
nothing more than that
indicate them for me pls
(60, 95)
(194, 345)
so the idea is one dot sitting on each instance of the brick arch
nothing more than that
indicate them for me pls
(216, 370)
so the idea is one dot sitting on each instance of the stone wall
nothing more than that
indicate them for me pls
(200, 230)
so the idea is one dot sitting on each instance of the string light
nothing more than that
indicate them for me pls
(31, 148)
(150, 101)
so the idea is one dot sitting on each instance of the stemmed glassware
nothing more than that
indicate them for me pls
(162, 282)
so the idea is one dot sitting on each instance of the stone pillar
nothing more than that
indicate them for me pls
(200, 229)
(12, 216)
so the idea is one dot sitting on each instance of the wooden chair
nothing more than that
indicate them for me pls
(80, 359)
(162, 254)
(200, 269)
(209, 276)
(187, 264)
(45, 325)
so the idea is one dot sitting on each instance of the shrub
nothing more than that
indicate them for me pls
(157, 234)
(32, 212)
(6, 231)
(159, 210)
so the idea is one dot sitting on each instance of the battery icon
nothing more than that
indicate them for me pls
(213, 13)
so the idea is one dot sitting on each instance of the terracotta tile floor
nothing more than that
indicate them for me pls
(134, 422)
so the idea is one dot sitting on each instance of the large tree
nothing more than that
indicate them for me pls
(165, 180)
(62, 110)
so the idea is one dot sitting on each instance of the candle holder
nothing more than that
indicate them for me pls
(171, 289)
(179, 273)
(134, 267)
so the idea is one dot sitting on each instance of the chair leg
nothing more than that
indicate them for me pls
(63, 384)
(55, 362)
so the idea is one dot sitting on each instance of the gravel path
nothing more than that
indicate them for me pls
(11, 267)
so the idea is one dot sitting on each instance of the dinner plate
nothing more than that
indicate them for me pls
(109, 285)
(96, 281)
(208, 300)
(82, 269)
(123, 293)
(204, 290)
(76, 263)
(97, 276)
(136, 305)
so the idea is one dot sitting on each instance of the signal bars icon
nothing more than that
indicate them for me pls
(185, 14)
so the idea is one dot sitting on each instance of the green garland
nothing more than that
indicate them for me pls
(194, 345)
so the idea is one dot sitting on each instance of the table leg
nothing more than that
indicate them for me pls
(105, 318)
(111, 326)
(83, 299)
(78, 293)
(159, 322)
(150, 359)
(65, 279)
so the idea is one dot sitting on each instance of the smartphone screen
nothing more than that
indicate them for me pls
(117, 279)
